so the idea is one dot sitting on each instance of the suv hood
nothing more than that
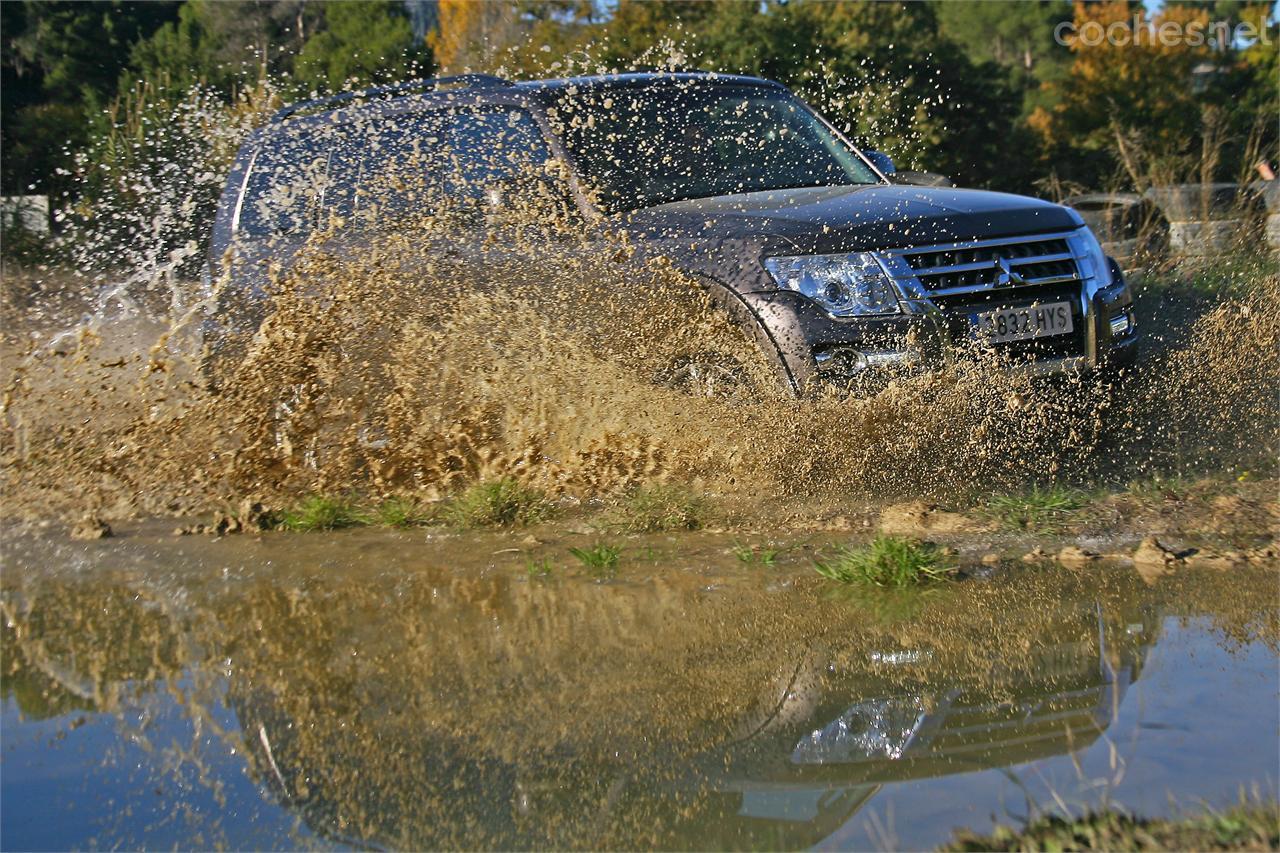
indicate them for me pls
(850, 218)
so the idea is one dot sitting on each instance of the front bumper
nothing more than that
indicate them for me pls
(863, 353)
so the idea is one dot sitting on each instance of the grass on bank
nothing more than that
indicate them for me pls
(887, 561)
(500, 503)
(1249, 826)
(1229, 274)
(402, 513)
(321, 512)
(497, 503)
(600, 561)
(1041, 510)
(662, 507)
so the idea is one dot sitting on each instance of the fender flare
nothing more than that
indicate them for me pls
(745, 318)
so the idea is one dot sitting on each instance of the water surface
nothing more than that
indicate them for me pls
(419, 690)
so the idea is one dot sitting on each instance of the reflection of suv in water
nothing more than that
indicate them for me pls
(819, 743)
(835, 272)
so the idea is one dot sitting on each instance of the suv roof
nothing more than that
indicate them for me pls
(641, 78)
(543, 90)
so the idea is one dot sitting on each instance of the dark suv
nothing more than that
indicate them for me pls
(838, 273)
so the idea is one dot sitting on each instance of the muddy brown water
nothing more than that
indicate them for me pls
(419, 690)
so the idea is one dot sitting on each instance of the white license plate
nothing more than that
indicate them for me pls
(1022, 323)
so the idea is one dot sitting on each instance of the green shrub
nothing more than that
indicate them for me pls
(500, 503)
(659, 507)
(888, 561)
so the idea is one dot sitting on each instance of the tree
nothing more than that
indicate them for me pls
(1153, 110)
(470, 35)
(360, 42)
(224, 43)
(1018, 37)
(60, 63)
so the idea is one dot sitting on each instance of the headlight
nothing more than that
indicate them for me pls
(846, 285)
(1094, 261)
(873, 728)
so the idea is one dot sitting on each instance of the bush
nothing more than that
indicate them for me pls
(888, 561)
(500, 503)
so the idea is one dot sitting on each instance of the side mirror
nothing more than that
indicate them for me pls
(881, 162)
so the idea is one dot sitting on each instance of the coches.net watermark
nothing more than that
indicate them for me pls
(1140, 32)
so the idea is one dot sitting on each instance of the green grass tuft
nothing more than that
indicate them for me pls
(323, 513)
(601, 561)
(888, 561)
(401, 512)
(659, 507)
(539, 568)
(1037, 511)
(752, 554)
(1249, 826)
(500, 503)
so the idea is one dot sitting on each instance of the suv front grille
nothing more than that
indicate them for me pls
(1030, 261)
(963, 279)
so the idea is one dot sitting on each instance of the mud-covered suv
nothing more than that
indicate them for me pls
(838, 273)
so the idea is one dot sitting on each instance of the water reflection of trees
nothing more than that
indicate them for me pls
(428, 709)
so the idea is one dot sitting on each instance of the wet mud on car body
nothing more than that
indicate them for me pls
(837, 274)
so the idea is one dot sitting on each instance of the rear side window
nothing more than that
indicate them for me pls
(389, 164)
(496, 150)
(286, 183)
(373, 167)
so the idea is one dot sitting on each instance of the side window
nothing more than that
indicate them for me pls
(369, 168)
(286, 183)
(496, 150)
(403, 163)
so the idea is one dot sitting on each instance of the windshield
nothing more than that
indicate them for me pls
(638, 147)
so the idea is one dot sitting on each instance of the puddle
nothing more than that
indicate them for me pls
(393, 690)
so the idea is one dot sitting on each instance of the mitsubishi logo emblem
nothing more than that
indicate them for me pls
(1006, 276)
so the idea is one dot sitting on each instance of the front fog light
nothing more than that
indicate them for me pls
(842, 361)
(847, 285)
(1121, 324)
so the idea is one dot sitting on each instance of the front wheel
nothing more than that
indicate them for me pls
(710, 375)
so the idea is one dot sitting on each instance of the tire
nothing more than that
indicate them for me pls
(709, 375)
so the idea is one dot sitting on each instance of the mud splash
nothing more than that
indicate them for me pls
(397, 366)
